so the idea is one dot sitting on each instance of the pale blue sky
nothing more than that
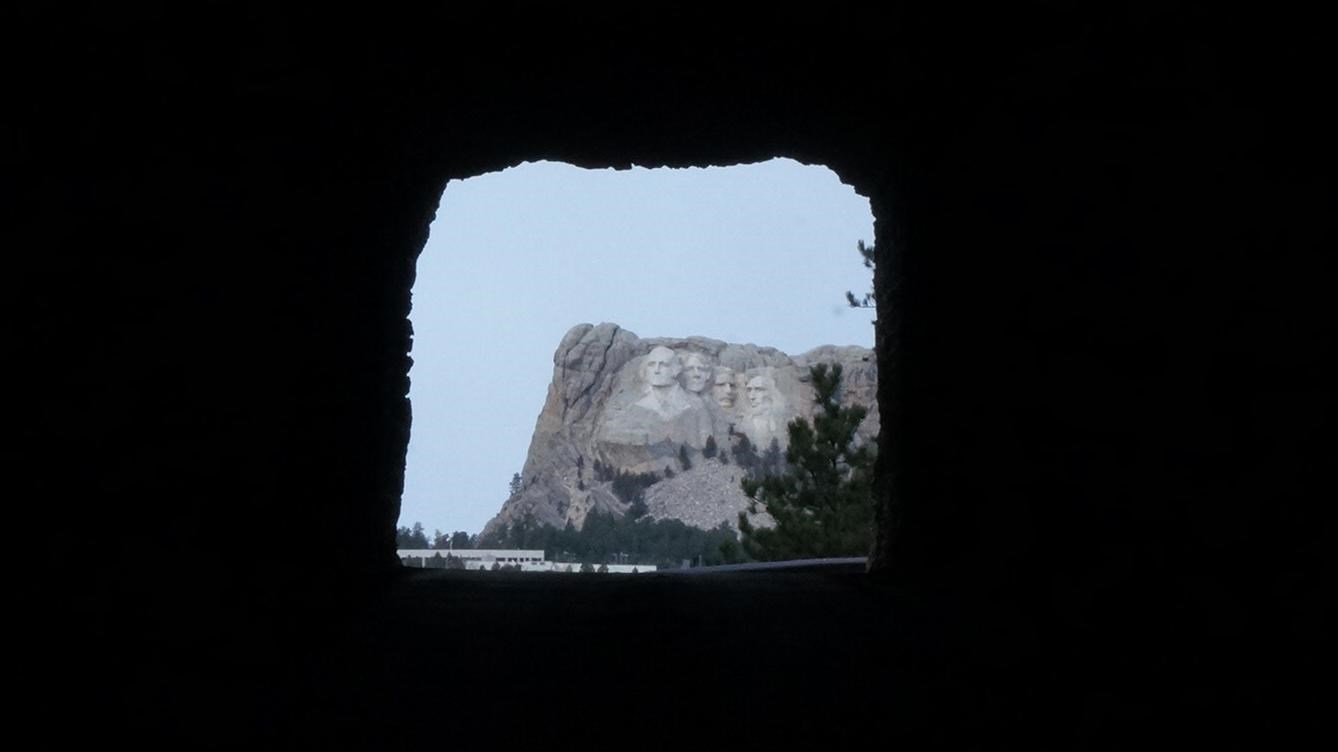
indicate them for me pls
(757, 253)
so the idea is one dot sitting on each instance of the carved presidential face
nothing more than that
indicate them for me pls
(695, 373)
(661, 367)
(723, 388)
(759, 391)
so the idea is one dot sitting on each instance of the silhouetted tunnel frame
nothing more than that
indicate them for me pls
(875, 557)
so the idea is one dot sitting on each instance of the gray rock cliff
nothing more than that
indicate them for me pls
(620, 404)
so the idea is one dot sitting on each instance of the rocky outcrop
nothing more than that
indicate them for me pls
(692, 412)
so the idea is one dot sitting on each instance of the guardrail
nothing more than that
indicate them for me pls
(853, 563)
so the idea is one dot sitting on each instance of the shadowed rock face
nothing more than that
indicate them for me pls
(632, 405)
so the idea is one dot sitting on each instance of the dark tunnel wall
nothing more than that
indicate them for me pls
(1102, 305)
(230, 214)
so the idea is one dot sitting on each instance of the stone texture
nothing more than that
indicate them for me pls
(706, 496)
(632, 405)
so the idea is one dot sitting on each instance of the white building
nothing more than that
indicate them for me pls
(527, 560)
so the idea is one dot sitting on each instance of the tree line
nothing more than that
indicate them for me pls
(604, 539)
(607, 538)
(416, 538)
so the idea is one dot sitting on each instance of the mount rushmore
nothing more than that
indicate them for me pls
(680, 414)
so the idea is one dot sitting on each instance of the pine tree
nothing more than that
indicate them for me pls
(632, 486)
(709, 450)
(683, 460)
(638, 509)
(745, 455)
(823, 502)
(867, 254)
(411, 538)
(515, 484)
(773, 460)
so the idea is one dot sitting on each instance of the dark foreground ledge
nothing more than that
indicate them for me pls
(816, 655)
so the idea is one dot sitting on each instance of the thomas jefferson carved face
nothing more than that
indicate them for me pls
(760, 389)
(723, 389)
(695, 373)
(661, 367)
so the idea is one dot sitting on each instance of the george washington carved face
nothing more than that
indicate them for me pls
(661, 367)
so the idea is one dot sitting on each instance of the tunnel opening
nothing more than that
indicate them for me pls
(741, 270)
